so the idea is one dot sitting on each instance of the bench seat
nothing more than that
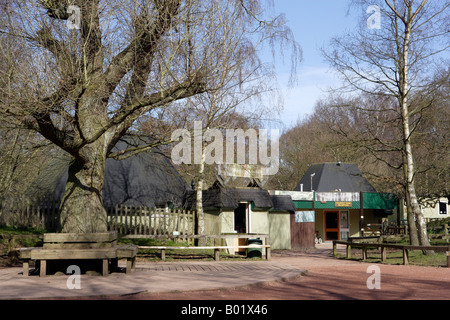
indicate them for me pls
(128, 252)
(101, 246)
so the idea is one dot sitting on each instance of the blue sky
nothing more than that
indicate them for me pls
(313, 23)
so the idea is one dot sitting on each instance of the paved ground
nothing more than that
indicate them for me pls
(154, 277)
(289, 275)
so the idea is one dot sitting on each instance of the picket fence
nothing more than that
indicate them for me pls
(151, 221)
(44, 214)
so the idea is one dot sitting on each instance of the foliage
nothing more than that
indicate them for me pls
(437, 226)
(10, 230)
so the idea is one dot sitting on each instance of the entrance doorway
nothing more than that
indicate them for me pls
(331, 225)
(241, 225)
(241, 218)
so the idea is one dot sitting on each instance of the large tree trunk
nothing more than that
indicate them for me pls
(412, 227)
(82, 209)
(416, 221)
(408, 160)
(416, 216)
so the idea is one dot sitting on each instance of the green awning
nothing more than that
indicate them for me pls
(371, 200)
(385, 201)
(303, 204)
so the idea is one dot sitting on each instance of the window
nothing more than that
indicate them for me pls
(345, 226)
(442, 207)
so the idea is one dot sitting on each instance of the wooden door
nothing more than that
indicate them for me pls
(302, 234)
(331, 225)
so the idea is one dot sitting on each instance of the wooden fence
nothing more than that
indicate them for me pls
(151, 221)
(383, 246)
(24, 212)
(44, 214)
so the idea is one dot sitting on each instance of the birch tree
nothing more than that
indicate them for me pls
(393, 55)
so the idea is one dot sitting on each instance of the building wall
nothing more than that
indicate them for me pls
(227, 221)
(213, 222)
(355, 218)
(434, 213)
(259, 222)
(319, 220)
(278, 225)
(279, 230)
(429, 212)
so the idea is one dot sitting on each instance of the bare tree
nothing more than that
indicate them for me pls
(245, 99)
(392, 61)
(218, 111)
(92, 69)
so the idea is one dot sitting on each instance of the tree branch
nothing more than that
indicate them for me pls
(144, 43)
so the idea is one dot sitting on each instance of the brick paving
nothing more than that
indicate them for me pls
(149, 277)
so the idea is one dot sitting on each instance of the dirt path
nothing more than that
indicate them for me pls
(331, 279)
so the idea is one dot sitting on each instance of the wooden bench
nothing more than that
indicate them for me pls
(74, 246)
(215, 248)
(383, 246)
(128, 252)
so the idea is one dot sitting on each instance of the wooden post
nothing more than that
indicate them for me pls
(104, 267)
(140, 221)
(448, 259)
(183, 224)
(268, 257)
(383, 254)
(216, 254)
(334, 248)
(446, 231)
(405, 256)
(163, 254)
(364, 253)
(43, 268)
(349, 251)
(26, 268)
(164, 228)
(155, 221)
(10, 244)
(130, 265)
(116, 219)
